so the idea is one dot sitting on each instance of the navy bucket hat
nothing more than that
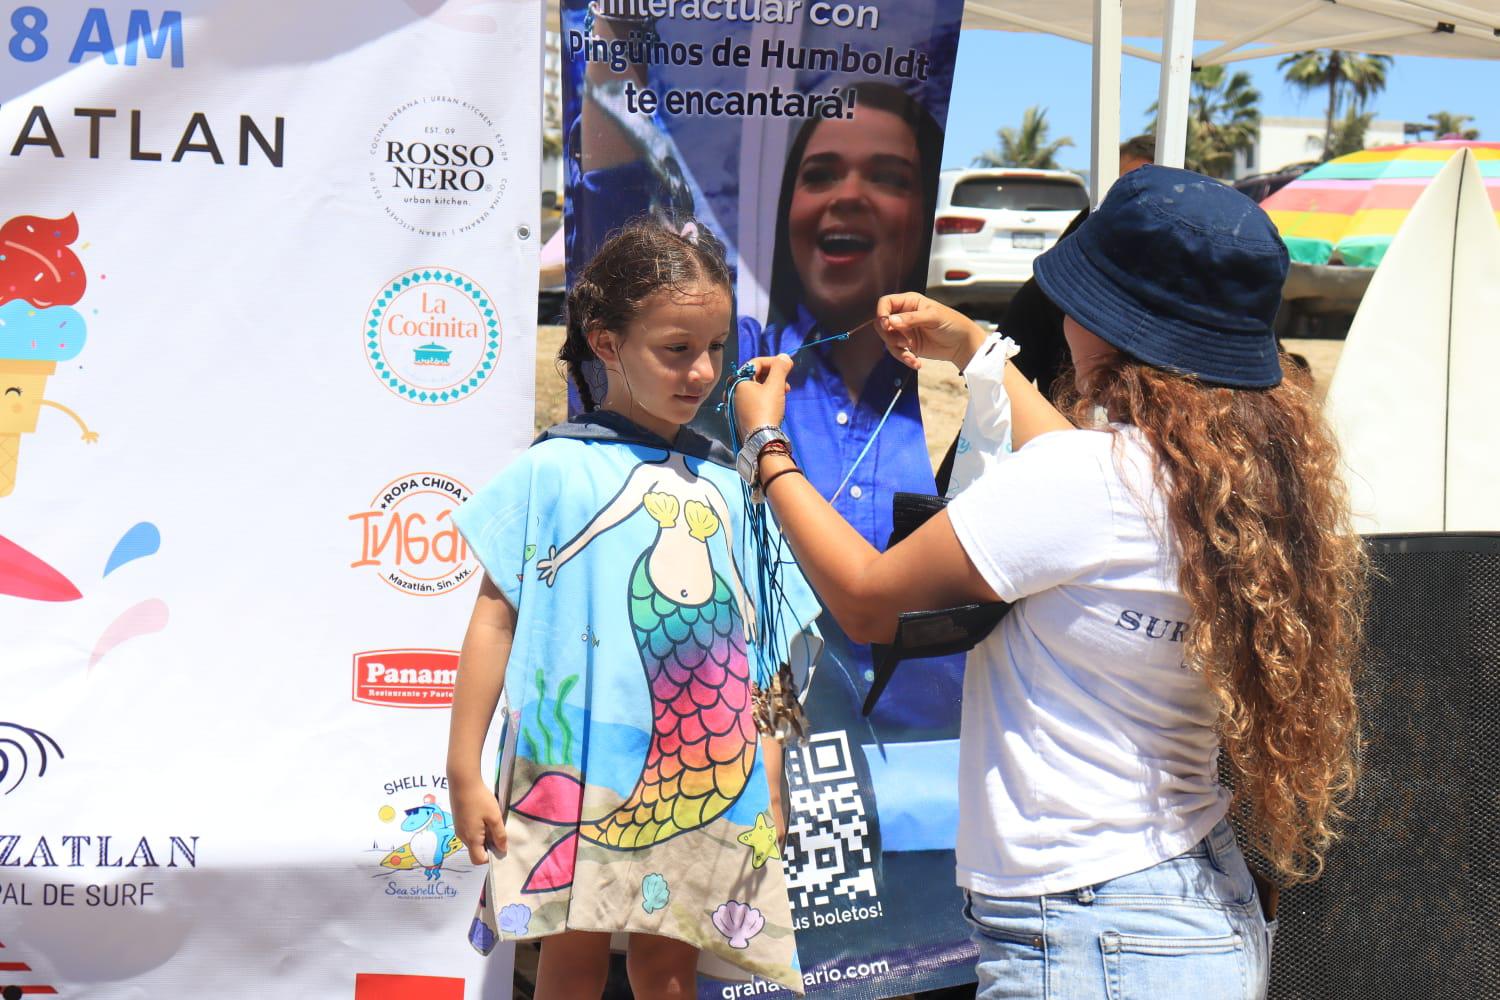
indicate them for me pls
(1179, 271)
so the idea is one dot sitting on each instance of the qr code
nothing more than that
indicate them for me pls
(829, 858)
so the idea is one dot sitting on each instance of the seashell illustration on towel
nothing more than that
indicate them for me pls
(515, 919)
(654, 893)
(739, 922)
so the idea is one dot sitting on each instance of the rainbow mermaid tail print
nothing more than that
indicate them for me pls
(691, 626)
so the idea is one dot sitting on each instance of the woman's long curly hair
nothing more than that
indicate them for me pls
(1276, 578)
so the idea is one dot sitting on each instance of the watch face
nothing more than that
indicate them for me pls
(749, 456)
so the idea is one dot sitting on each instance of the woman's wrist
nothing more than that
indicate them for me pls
(969, 344)
(464, 773)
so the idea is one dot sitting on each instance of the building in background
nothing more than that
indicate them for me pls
(1282, 142)
(552, 137)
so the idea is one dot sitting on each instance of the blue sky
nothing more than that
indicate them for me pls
(1001, 73)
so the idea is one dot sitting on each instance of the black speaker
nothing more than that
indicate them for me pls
(1409, 904)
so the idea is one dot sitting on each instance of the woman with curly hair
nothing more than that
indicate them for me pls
(1187, 588)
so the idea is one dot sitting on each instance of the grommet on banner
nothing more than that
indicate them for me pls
(523, 232)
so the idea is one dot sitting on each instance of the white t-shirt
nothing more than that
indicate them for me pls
(1088, 749)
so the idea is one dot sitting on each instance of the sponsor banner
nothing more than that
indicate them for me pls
(415, 854)
(267, 282)
(372, 986)
(439, 165)
(808, 137)
(408, 539)
(406, 678)
(433, 336)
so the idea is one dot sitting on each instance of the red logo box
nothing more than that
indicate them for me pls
(373, 986)
(405, 678)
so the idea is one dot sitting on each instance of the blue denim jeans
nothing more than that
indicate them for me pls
(1190, 928)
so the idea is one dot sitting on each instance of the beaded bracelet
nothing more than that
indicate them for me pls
(774, 447)
(775, 476)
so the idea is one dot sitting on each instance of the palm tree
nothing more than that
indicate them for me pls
(1349, 134)
(1444, 123)
(1223, 119)
(1350, 75)
(1026, 146)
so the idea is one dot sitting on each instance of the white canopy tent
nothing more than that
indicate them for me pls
(1245, 30)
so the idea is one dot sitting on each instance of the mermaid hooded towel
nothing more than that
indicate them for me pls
(634, 795)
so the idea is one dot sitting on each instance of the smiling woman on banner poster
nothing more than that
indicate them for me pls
(852, 220)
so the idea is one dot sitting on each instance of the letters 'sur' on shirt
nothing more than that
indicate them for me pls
(1089, 748)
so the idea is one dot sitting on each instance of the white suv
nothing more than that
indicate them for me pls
(991, 223)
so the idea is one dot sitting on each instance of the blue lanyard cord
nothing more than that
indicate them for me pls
(826, 340)
(870, 443)
(770, 596)
(746, 371)
(766, 545)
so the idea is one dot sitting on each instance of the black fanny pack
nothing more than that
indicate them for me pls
(927, 633)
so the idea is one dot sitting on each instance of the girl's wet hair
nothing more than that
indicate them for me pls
(647, 256)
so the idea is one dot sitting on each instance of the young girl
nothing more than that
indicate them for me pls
(617, 613)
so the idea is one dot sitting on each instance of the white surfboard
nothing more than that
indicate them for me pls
(1415, 398)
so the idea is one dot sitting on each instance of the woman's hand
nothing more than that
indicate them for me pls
(477, 819)
(762, 402)
(916, 327)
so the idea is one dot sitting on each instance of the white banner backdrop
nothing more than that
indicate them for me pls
(267, 315)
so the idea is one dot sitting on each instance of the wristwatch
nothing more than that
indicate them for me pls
(748, 460)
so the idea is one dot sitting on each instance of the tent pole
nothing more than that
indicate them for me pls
(1105, 134)
(1176, 82)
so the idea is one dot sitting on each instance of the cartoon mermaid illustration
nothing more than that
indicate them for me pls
(690, 626)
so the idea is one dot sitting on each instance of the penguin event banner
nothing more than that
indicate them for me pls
(267, 307)
(808, 137)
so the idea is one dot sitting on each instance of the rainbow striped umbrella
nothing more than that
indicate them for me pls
(1353, 205)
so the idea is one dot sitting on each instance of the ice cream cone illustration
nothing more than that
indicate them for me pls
(40, 277)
